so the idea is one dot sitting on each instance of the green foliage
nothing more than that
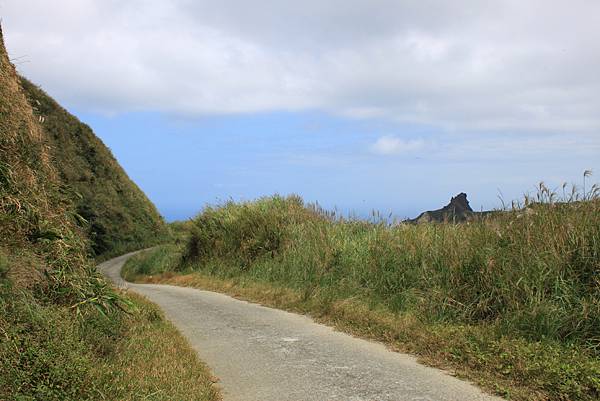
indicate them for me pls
(42, 354)
(180, 230)
(116, 214)
(46, 353)
(154, 261)
(246, 231)
(536, 271)
(529, 274)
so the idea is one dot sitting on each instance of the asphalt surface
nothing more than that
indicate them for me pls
(265, 354)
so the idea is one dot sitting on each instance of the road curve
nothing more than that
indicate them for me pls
(265, 354)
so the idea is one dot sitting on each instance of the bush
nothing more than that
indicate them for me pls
(247, 231)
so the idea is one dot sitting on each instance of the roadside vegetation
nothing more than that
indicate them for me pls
(66, 334)
(46, 353)
(511, 300)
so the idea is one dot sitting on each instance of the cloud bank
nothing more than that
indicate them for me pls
(465, 65)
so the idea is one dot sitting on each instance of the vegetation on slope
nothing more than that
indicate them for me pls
(511, 301)
(116, 213)
(64, 332)
(37, 222)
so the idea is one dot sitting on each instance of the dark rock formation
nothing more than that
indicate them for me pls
(458, 210)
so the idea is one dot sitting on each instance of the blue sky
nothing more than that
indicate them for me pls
(357, 104)
(184, 164)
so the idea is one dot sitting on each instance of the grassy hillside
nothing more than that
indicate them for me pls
(118, 215)
(36, 220)
(511, 301)
(65, 334)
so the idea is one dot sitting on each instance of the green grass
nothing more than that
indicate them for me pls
(511, 301)
(162, 259)
(47, 353)
(152, 361)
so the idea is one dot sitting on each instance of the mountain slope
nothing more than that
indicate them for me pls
(34, 214)
(64, 334)
(120, 215)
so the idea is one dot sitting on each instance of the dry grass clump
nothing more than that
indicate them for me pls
(37, 221)
(26, 176)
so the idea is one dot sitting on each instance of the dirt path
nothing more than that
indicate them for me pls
(264, 354)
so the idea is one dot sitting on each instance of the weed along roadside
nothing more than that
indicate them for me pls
(510, 301)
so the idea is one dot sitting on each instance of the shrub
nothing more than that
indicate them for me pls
(247, 231)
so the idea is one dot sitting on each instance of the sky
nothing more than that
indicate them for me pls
(359, 105)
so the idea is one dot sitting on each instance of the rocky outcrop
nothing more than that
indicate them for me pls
(458, 210)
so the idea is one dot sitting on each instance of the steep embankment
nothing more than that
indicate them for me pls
(119, 214)
(63, 332)
(34, 214)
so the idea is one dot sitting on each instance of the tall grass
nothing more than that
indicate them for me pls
(510, 300)
(531, 271)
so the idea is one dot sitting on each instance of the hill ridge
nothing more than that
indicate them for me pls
(120, 216)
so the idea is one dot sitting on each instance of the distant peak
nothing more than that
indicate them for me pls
(456, 211)
(459, 203)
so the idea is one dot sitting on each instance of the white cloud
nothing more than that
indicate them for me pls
(465, 65)
(391, 145)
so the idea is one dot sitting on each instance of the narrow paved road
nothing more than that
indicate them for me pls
(264, 354)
